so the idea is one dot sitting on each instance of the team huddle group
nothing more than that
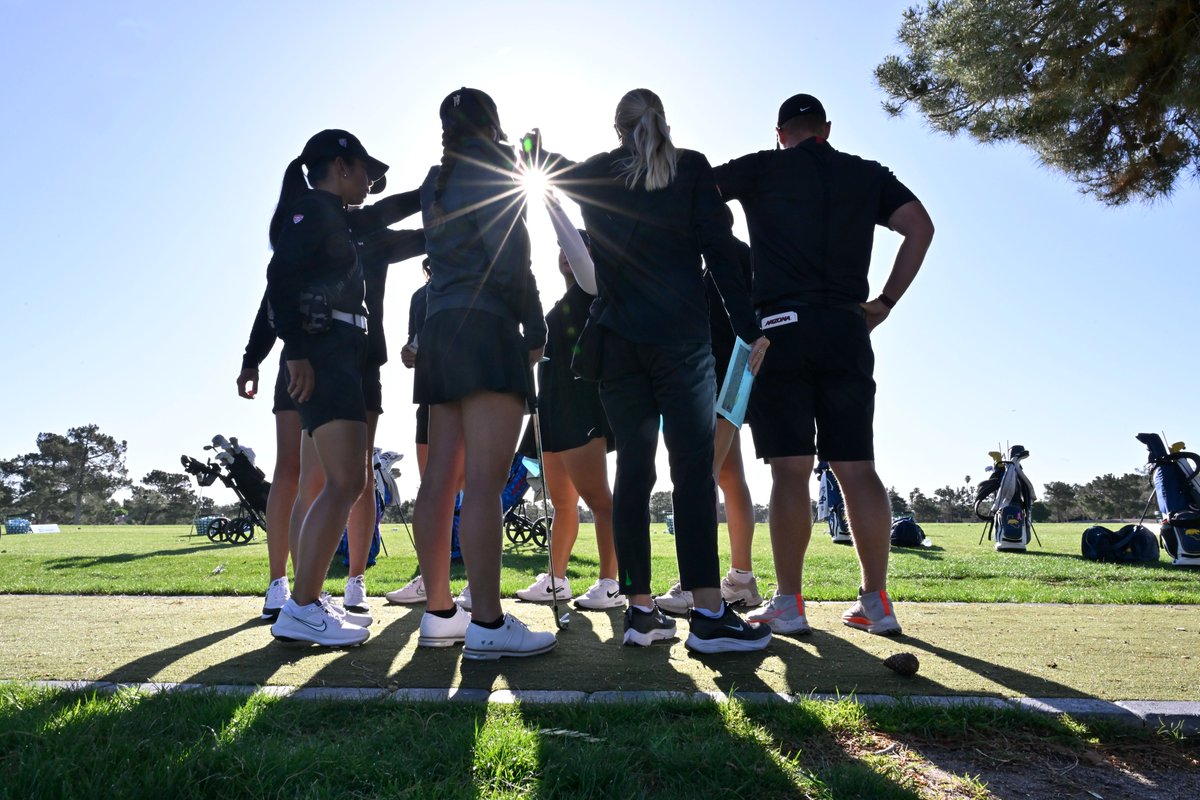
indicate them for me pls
(659, 292)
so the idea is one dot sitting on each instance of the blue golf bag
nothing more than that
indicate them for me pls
(1005, 502)
(830, 504)
(1175, 474)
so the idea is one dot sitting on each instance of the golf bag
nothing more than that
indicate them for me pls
(830, 505)
(1005, 502)
(1176, 477)
(386, 494)
(519, 528)
(1132, 544)
(233, 465)
(907, 533)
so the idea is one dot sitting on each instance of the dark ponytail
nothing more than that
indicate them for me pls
(293, 186)
(451, 138)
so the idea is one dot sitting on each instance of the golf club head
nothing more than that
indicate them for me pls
(563, 622)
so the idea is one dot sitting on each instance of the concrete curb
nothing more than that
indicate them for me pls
(1183, 715)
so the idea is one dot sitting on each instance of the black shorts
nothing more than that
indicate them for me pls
(337, 357)
(570, 415)
(815, 392)
(372, 387)
(422, 424)
(283, 400)
(465, 351)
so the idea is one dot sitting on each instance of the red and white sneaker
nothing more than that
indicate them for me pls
(783, 613)
(873, 613)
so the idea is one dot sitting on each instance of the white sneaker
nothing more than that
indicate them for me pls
(738, 591)
(354, 598)
(464, 598)
(278, 593)
(316, 623)
(441, 632)
(675, 601)
(511, 639)
(540, 592)
(604, 593)
(353, 617)
(411, 592)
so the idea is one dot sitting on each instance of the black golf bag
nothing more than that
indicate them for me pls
(233, 465)
(1176, 477)
(830, 504)
(1005, 502)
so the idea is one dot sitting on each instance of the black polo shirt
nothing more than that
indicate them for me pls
(812, 213)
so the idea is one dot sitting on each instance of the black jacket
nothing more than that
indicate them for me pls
(479, 251)
(647, 247)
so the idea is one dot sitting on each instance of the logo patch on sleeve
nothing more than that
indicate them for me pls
(296, 219)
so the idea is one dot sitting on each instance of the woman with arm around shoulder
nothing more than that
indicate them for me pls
(316, 290)
(653, 213)
(483, 330)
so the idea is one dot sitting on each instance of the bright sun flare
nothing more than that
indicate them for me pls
(535, 182)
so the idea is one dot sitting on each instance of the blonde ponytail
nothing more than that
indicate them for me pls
(642, 124)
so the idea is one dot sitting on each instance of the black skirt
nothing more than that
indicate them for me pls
(464, 351)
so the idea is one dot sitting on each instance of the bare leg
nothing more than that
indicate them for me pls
(739, 508)
(565, 528)
(491, 423)
(361, 528)
(790, 520)
(870, 516)
(284, 484)
(433, 512)
(312, 480)
(587, 468)
(340, 445)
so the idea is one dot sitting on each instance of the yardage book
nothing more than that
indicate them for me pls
(735, 392)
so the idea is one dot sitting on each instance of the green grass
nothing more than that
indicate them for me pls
(166, 560)
(202, 745)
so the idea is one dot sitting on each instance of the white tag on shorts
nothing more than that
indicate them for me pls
(775, 320)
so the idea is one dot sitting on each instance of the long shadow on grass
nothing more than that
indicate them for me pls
(141, 669)
(86, 562)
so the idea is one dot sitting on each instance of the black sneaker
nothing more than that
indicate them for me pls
(645, 627)
(728, 634)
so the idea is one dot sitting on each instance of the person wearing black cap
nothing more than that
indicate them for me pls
(316, 291)
(483, 330)
(812, 213)
(380, 247)
(653, 212)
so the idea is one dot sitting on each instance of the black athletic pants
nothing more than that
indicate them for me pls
(640, 382)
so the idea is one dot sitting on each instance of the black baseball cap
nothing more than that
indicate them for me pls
(329, 144)
(471, 108)
(800, 105)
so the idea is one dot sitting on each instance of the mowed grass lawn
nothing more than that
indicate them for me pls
(167, 560)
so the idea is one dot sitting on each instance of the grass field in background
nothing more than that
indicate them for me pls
(167, 560)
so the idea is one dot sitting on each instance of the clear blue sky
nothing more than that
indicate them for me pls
(145, 143)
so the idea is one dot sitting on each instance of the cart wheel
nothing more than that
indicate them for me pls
(538, 532)
(216, 529)
(240, 530)
(512, 531)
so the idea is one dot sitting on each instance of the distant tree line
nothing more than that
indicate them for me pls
(1104, 497)
(73, 478)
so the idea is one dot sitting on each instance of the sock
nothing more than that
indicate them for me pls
(743, 575)
(495, 625)
(280, 581)
(445, 614)
(645, 609)
(720, 612)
